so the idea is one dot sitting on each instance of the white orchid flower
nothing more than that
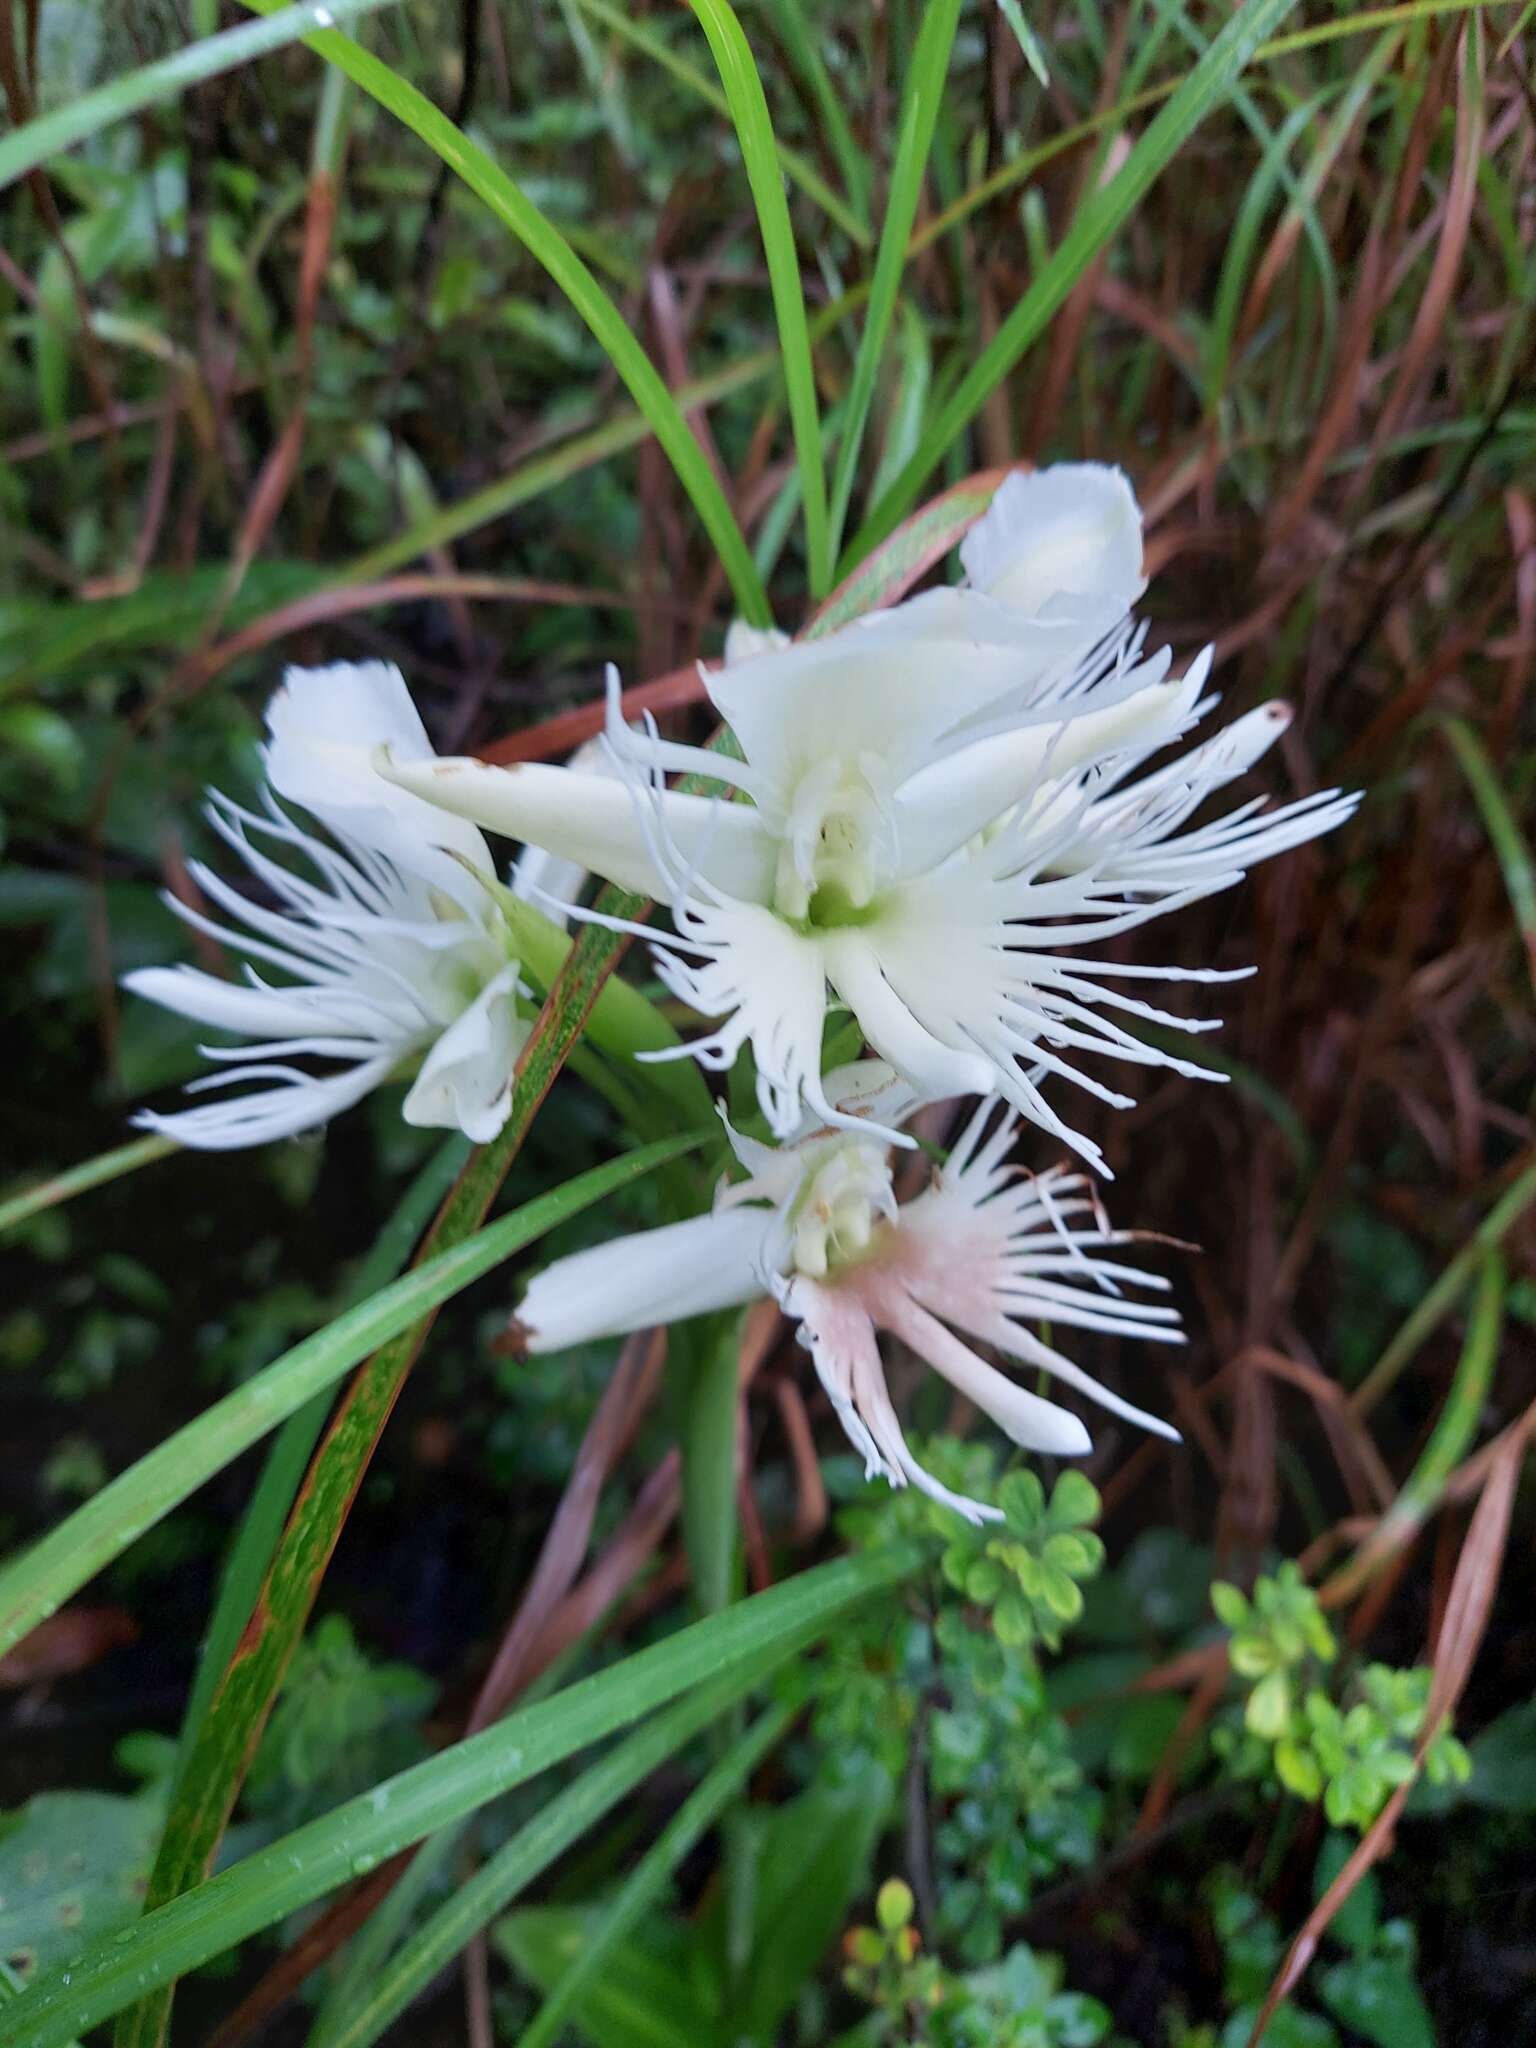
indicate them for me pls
(392, 954)
(817, 1225)
(941, 817)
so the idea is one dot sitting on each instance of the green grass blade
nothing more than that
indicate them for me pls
(516, 211)
(536, 1846)
(272, 1497)
(1432, 1308)
(1099, 218)
(35, 1584)
(643, 1889)
(800, 43)
(1503, 829)
(759, 152)
(358, 1835)
(27, 147)
(243, 1700)
(79, 1180)
(921, 98)
(890, 570)
(798, 169)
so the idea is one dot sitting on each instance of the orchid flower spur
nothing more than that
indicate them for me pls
(392, 953)
(943, 812)
(816, 1224)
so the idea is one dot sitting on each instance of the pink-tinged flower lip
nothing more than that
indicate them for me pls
(984, 1249)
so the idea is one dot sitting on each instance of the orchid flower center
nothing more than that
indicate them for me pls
(835, 848)
(839, 1210)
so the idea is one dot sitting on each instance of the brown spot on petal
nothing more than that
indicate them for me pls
(514, 1341)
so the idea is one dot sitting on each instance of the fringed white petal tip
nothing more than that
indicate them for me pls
(388, 951)
(951, 809)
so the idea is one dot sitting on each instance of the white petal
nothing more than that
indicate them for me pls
(298, 1102)
(600, 824)
(327, 725)
(1034, 1424)
(655, 1276)
(1069, 532)
(841, 1337)
(934, 1067)
(944, 805)
(465, 1083)
(877, 697)
(744, 642)
(541, 877)
(226, 1005)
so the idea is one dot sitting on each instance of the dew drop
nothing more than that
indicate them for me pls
(361, 1865)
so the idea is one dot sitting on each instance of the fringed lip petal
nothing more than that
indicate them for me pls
(326, 726)
(1032, 1423)
(296, 1102)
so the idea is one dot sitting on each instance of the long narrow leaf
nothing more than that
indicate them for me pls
(36, 1583)
(642, 1890)
(754, 131)
(78, 1180)
(798, 169)
(27, 147)
(1101, 215)
(921, 98)
(535, 1846)
(544, 241)
(358, 1835)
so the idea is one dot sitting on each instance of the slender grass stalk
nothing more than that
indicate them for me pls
(79, 1180)
(797, 168)
(1427, 1314)
(267, 1509)
(1503, 829)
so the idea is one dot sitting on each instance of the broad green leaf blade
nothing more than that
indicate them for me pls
(921, 98)
(354, 1838)
(27, 147)
(35, 1584)
(648, 1995)
(754, 132)
(643, 1889)
(1097, 220)
(516, 211)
